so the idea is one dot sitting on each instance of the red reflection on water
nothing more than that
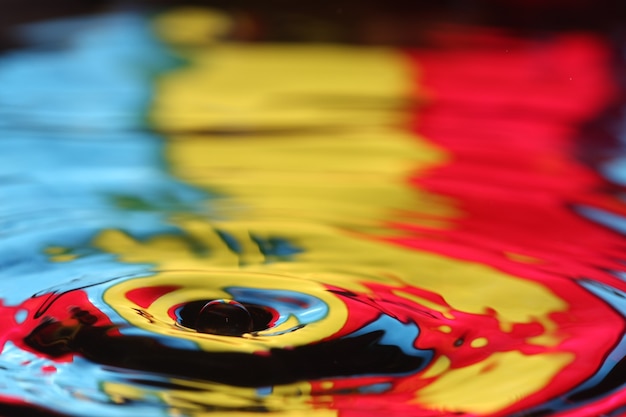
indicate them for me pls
(50, 320)
(145, 296)
(508, 117)
(508, 112)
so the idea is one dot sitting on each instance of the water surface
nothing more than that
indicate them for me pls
(196, 226)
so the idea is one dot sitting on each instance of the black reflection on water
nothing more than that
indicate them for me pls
(21, 410)
(195, 314)
(349, 356)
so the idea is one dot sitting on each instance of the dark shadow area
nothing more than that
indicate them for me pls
(401, 22)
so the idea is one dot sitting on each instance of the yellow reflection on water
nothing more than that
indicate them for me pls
(488, 386)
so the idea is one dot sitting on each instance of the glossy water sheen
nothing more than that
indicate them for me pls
(191, 226)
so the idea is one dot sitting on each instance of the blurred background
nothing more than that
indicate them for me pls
(398, 22)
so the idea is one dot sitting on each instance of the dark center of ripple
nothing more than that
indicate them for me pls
(224, 317)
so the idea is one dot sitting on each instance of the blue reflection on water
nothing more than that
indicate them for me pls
(91, 74)
(73, 115)
(73, 148)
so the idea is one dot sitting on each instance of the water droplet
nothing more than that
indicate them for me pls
(224, 317)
